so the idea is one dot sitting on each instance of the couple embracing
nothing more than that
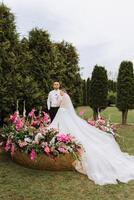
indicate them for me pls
(102, 159)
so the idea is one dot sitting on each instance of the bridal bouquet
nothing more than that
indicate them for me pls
(33, 136)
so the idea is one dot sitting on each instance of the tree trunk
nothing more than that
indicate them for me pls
(95, 115)
(124, 117)
(126, 113)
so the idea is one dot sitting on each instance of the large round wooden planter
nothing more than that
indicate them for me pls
(43, 162)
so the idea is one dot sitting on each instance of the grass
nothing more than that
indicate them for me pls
(19, 183)
(112, 112)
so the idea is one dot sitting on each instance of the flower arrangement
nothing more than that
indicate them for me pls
(104, 125)
(32, 136)
(101, 123)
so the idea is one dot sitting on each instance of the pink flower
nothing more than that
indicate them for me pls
(62, 150)
(103, 128)
(101, 121)
(22, 143)
(91, 122)
(81, 113)
(8, 145)
(63, 138)
(45, 117)
(35, 123)
(32, 154)
(19, 124)
(31, 114)
(80, 151)
(44, 113)
(12, 150)
(47, 149)
(13, 118)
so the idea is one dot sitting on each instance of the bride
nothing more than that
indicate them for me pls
(102, 160)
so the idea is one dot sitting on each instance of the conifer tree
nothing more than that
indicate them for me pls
(98, 90)
(125, 89)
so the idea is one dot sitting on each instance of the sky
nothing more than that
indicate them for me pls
(101, 30)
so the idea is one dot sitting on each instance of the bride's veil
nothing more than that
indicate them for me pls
(67, 104)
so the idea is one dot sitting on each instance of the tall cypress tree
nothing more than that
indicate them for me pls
(28, 87)
(125, 89)
(84, 89)
(71, 78)
(88, 91)
(58, 68)
(8, 60)
(98, 90)
(112, 85)
(40, 47)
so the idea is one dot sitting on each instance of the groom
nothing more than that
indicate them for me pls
(52, 101)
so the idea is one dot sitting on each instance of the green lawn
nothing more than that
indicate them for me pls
(19, 183)
(112, 112)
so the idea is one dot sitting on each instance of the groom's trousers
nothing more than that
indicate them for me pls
(52, 112)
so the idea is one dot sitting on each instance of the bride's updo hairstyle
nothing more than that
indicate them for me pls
(63, 90)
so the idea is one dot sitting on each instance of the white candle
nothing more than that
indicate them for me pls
(24, 109)
(17, 105)
(17, 108)
(99, 114)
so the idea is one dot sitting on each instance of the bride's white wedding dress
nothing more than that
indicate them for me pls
(102, 161)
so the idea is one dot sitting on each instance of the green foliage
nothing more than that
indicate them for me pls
(125, 89)
(71, 79)
(29, 66)
(125, 86)
(8, 60)
(112, 85)
(98, 89)
(84, 89)
(111, 98)
(88, 90)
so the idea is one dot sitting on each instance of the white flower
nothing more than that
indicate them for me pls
(69, 149)
(52, 141)
(38, 137)
(27, 140)
(43, 144)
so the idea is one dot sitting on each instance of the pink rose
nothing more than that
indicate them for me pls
(63, 138)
